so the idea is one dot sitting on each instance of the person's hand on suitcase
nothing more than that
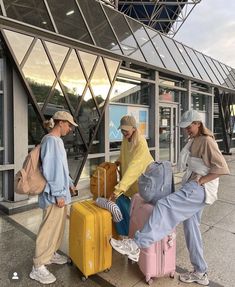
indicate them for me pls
(60, 202)
(116, 193)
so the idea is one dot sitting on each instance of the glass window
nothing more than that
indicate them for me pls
(88, 116)
(112, 67)
(116, 112)
(90, 167)
(188, 60)
(164, 53)
(207, 68)
(124, 34)
(58, 54)
(73, 80)
(198, 65)
(100, 83)
(99, 26)
(68, 20)
(131, 91)
(144, 42)
(177, 56)
(19, 43)
(76, 150)
(228, 79)
(32, 12)
(214, 69)
(217, 64)
(200, 102)
(138, 31)
(200, 87)
(88, 61)
(38, 72)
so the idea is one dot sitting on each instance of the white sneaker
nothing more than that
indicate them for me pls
(126, 247)
(195, 277)
(42, 275)
(58, 259)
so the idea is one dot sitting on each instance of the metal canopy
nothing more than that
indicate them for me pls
(99, 25)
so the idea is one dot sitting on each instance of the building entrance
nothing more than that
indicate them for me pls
(168, 136)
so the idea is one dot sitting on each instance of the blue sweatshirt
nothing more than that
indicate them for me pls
(55, 170)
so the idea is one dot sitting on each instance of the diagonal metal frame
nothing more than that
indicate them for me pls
(175, 12)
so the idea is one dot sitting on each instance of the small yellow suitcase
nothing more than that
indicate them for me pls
(90, 230)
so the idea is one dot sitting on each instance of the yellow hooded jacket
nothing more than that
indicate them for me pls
(134, 161)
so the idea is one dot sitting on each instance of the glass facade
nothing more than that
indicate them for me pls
(70, 68)
(32, 12)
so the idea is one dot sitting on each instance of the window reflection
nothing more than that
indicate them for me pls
(57, 99)
(35, 130)
(164, 53)
(73, 79)
(88, 61)
(38, 72)
(76, 151)
(33, 12)
(99, 26)
(195, 60)
(90, 167)
(123, 32)
(130, 91)
(177, 56)
(100, 83)
(68, 20)
(88, 116)
(19, 43)
(57, 53)
(188, 60)
(200, 102)
(207, 67)
(214, 69)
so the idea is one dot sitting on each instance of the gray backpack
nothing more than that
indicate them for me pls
(156, 182)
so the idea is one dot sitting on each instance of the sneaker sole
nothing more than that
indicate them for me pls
(194, 281)
(39, 280)
(59, 263)
(133, 258)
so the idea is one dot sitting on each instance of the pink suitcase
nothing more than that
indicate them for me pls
(159, 259)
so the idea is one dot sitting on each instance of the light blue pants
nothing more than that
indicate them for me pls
(184, 205)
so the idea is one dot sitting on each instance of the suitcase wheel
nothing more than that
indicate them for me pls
(149, 281)
(83, 278)
(172, 275)
(70, 262)
(106, 270)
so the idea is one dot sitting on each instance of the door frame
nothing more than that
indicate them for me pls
(173, 131)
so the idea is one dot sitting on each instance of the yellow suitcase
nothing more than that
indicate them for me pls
(90, 230)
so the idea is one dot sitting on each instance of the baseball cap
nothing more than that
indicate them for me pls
(188, 117)
(127, 123)
(64, 116)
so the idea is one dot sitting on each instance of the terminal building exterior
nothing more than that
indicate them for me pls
(86, 57)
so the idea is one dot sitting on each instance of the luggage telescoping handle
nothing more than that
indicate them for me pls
(104, 170)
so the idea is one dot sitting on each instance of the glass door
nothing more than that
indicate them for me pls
(168, 115)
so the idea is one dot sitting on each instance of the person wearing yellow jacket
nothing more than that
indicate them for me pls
(133, 160)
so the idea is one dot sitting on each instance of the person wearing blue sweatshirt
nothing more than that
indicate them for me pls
(55, 197)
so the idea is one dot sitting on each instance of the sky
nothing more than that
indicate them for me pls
(210, 29)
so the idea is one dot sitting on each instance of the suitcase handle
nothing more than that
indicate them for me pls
(99, 193)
